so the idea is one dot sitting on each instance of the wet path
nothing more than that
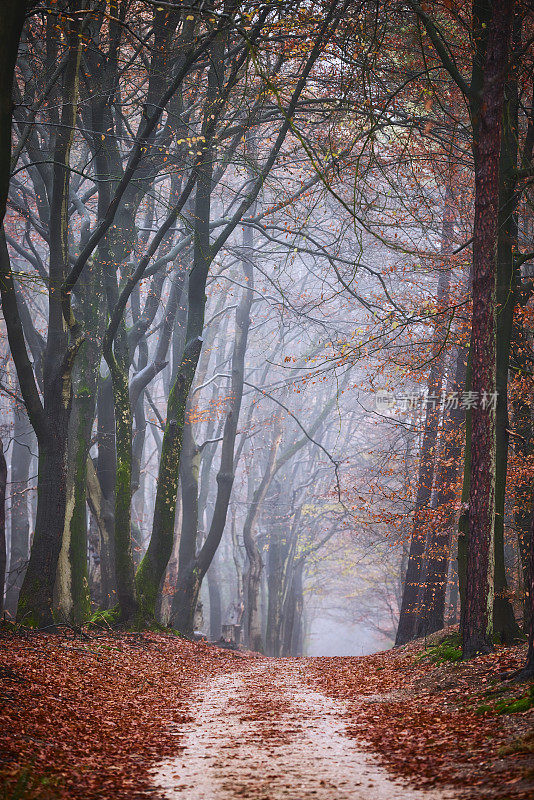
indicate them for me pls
(264, 735)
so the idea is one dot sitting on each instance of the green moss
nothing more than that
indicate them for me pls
(516, 706)
(108, 618)
(509, 705)
(78, 542)
(29, 618)
(143, 623)
(146, 587)
(496, 690)
(111, 618)
(523, 704)
(28, 610)
(448, 649)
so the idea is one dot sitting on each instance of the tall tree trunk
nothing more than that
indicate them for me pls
(252, 578)
(189, 475)
(101, 488)
(191, 573)
(94, 576)
(195, 484)
(21, 457)
(72, 583)
(72, 601)
(238, 564)
(432, 617)
(481, 13)
(138, 480)
(124, 566)
(3, 541)
(274, 583)
(154, 563)
(225, 477)
(478, 611)
(409, 612)
(463, 519)
(214, 589)
(504, 624)
(293, 613)
(36, 595)
(138, 443)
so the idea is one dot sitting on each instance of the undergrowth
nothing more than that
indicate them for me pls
(509, 705)
(449, 649)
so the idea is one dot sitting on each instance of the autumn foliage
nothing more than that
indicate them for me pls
(88, 718)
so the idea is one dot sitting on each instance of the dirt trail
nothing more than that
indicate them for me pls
(264, 735)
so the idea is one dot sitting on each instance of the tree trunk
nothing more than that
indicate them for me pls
(101, 487)
(138, 445)
(252, 578)
(504, 624)
(293, 613)
(481, 15)
(164, 598)
(279, 569)
(138, 481)
(51, 422)
(432, 617)
(3, 542)
(72, 584)
(153, 566)
(21, 457)
(183, 606)
(225, 477)
(409, 612)
(478, 611)
(36, 595)
(72, 601)
(274, 591)
(214, 589)
(94, 575)
(124, 566)
(102, 511)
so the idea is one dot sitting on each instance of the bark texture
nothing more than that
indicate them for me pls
(478, 611)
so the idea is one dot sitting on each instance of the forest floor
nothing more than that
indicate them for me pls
(127, 716)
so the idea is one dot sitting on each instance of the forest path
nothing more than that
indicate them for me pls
(263, 734)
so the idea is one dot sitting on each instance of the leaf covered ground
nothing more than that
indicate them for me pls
(438, 720)
(89, 718)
